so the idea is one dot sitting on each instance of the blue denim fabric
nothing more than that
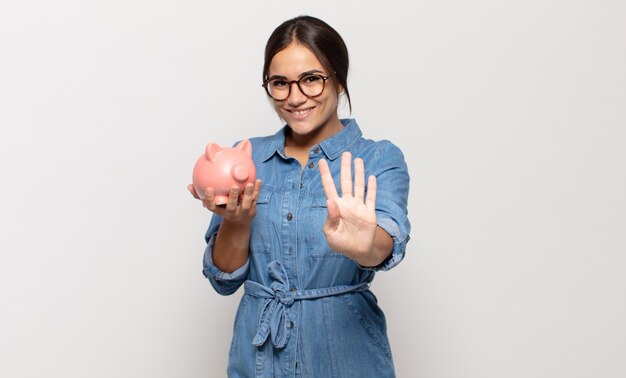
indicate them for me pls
(308, 310)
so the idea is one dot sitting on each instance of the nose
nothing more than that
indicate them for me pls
(296, 97)
(239, 172)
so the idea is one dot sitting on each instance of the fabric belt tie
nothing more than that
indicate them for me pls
(273, 319)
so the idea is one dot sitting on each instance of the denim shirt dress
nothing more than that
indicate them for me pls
(307, 310)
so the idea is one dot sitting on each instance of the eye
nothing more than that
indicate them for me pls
(311, 79)
(279, 83)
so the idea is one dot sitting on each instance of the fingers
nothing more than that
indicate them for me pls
(192, 190)
(333, 218)
(370, 200)
(345, 178)
(359, 179)
(346, 174)
(233, 199)
(250, 195)
(209, 199)
(255, 192)
(246, 200)
(327, 180)
(239, 206)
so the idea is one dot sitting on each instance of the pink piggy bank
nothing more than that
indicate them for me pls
(221, 168)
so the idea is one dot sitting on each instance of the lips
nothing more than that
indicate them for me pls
(300, 113)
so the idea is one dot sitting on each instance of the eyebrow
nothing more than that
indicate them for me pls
(310, 72)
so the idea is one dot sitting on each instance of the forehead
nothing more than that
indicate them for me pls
(293, 60)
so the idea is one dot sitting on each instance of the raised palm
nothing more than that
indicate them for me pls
(350, 227)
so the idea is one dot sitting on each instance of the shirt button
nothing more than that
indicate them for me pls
(289, 324)
(292, 289)
(311, 165)
(289, 216)
(316, 150)
(301, 185)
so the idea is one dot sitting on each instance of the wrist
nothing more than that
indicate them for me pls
(236, 234)
(381, 249)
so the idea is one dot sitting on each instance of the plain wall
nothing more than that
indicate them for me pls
(511, 115)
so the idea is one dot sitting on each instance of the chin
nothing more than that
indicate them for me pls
(302, 126)
(302, 129)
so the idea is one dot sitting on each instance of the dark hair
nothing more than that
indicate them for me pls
(317, 36)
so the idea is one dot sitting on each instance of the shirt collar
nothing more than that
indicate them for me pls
(333, 147)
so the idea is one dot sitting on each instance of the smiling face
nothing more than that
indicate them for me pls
(310, 119)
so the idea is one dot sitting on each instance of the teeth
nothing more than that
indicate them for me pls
(301, 112)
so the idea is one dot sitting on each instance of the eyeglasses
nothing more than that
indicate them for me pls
(311, 85)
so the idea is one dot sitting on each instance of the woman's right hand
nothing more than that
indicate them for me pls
(231, 247)
(234, 211)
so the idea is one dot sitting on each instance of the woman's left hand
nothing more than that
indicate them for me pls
(350, 227)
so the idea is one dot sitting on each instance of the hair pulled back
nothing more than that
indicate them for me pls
(319, 37)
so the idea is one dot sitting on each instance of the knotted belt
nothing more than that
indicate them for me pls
(279, 297)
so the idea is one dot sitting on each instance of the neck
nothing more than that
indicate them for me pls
(298, 146)
(306, 141)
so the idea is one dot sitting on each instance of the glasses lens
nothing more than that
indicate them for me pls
(278, 89)
(311, 85)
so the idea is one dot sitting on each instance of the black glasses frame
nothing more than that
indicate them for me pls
(289, 83)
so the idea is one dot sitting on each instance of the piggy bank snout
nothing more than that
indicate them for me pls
(240, 172)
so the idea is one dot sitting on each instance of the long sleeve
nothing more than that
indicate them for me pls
(224, 283)
(392, 182)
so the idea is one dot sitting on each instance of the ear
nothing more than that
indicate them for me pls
(211, 150)
(245, 146)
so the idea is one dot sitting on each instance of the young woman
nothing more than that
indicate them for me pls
(307, 242)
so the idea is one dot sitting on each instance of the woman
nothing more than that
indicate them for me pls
(305, 253)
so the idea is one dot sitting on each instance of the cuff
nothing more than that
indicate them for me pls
(399, 245)
(213, 273)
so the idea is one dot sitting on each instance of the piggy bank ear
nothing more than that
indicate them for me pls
(245, 146)
(211, 150)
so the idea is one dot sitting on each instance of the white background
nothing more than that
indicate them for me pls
(511, 114)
